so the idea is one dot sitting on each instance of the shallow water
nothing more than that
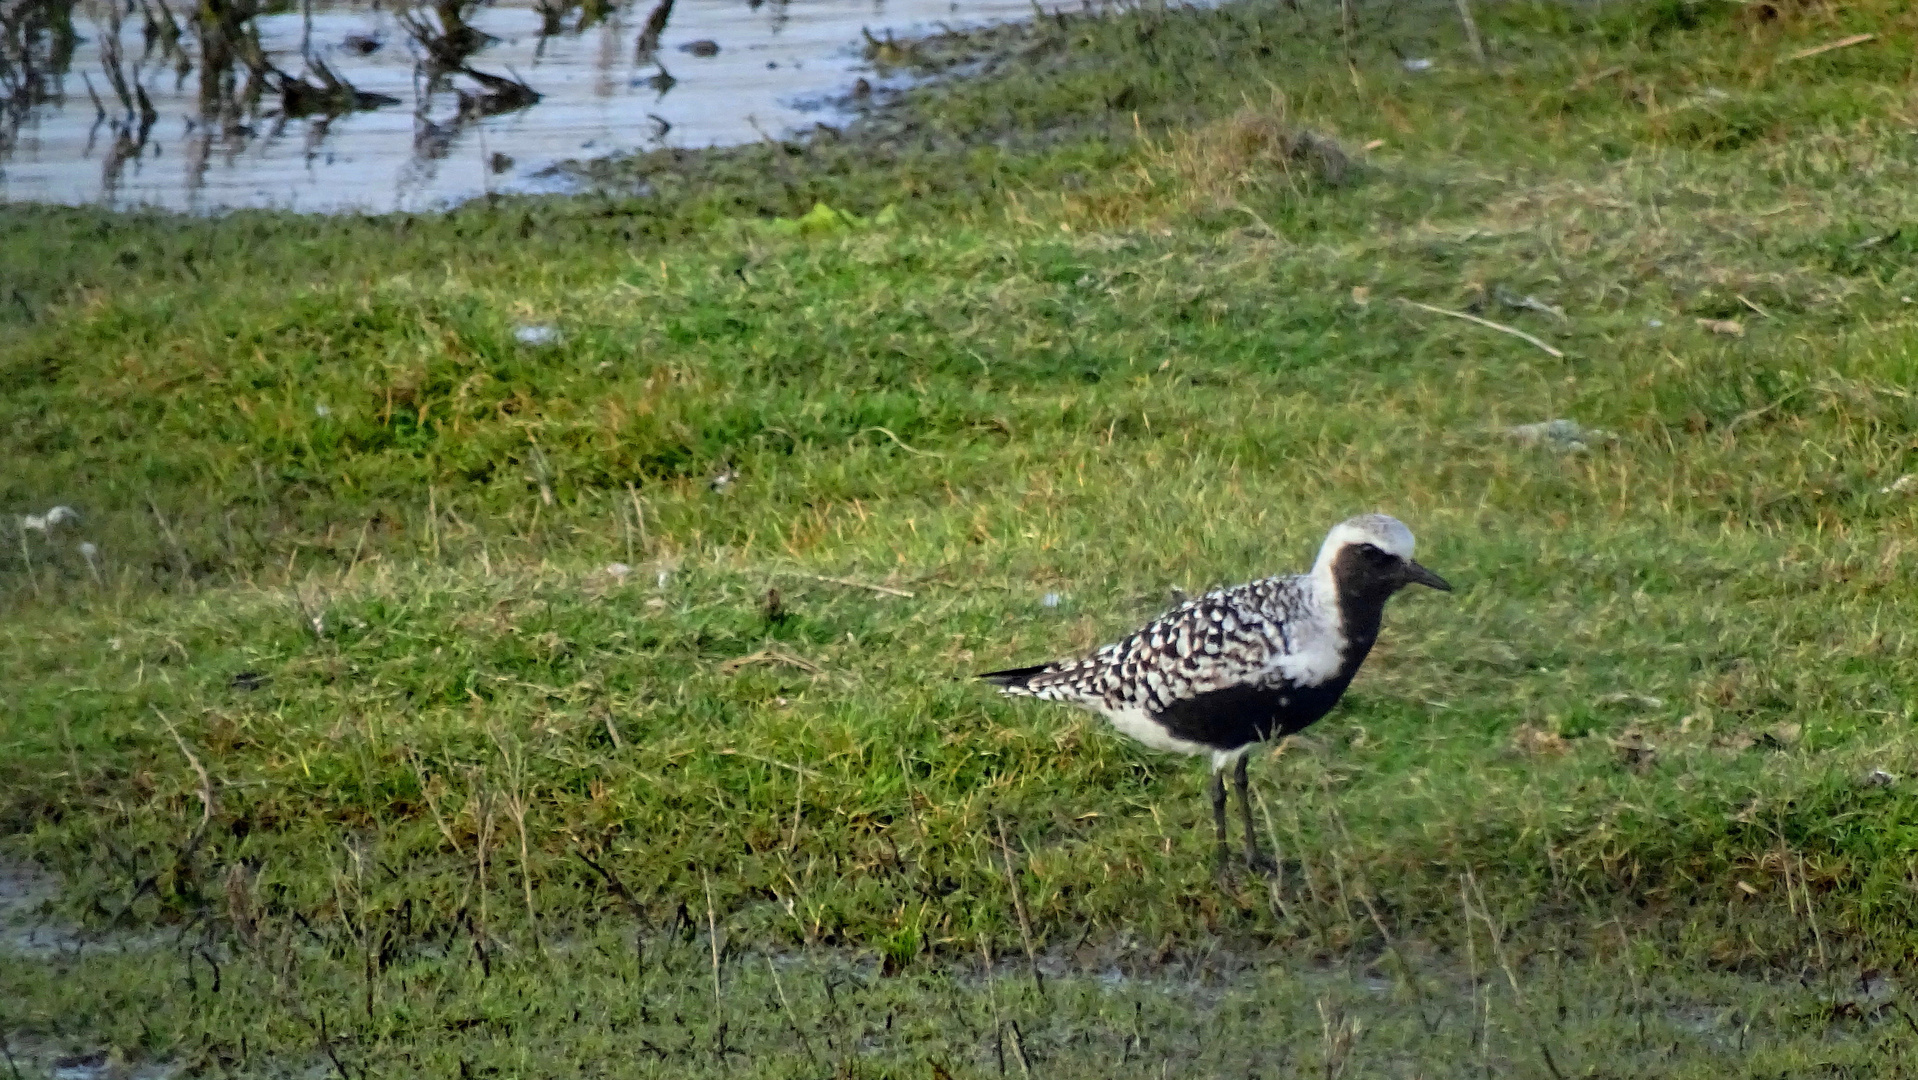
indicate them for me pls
(780, 67)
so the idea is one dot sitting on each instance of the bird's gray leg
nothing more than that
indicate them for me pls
(1254, 858)
(1218, 813)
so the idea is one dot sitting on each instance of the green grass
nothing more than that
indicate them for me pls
(473, 802)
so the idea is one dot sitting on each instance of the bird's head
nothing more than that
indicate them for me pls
(1372, 554)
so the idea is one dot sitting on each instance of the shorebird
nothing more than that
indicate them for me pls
(1222, 673)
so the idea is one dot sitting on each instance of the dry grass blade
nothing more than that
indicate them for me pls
(773, 655)
(888, 433)
(787, 1005)
(206, 782)
(800, 769)
(639, 522)
(1019, 1048)
(851, 584)
(1489, 324)
(1019, 906)
(1471, 30)
(240, 908)
(432, 800)
(1596, 77)
(179, 551)
(1841, 43)
(712, 937)
(516, 806)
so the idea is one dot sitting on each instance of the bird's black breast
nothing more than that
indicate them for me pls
(1235, 716)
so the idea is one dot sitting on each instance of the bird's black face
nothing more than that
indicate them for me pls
(1367, 570)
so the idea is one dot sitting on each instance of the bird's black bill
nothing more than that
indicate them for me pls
(1011, 676)
(1417, 573)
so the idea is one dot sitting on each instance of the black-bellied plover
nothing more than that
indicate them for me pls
(1234, 668)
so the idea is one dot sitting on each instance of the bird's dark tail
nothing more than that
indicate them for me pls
(1012, 678)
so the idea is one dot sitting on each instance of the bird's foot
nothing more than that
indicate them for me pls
(1260, 863)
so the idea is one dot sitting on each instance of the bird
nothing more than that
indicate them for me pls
(1223, 672)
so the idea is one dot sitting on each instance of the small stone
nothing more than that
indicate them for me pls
(1559, 434)
(1900, 486)
(703, 47)
(535, 335)
(1417, 63)
(1626, 698)
(1050, 599)
(47, 521)
(1879, 778)
(618, 571)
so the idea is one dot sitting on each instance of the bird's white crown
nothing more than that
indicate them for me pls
(1382, 531)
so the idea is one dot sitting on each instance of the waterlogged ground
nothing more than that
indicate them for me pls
(623, 1000)
(779, 67)
(537, 638)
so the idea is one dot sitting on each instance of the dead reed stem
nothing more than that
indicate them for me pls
(1019, 906)
(179, 551)
(799, 795)
(1275, 882)
(1494, 933)
(26, 556)
(1019, 1048)
(992, 1000)
(515, 802)
(639, 520)
(432, 802)
(206, 784)
(791, 1017)
(712, 938)
(1472, 38)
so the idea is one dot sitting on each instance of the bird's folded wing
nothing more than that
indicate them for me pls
(1235, 637)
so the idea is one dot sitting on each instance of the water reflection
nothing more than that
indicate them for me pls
(361, 104)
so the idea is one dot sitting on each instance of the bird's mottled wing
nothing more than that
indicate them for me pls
(1230, 638)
